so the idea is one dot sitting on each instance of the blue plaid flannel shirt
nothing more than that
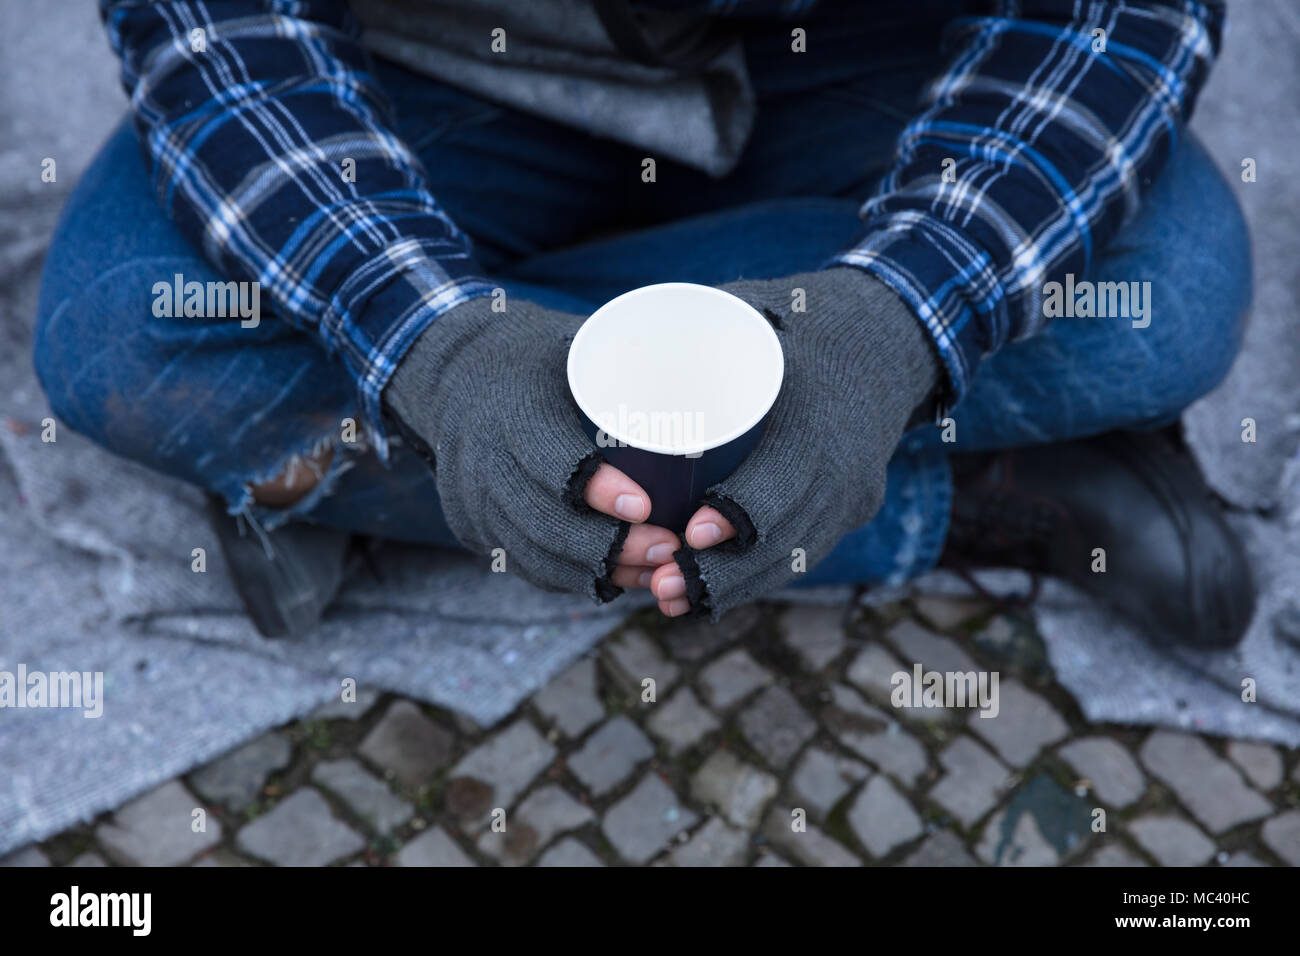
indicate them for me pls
(1053, 145)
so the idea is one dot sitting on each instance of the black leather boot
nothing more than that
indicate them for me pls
(1172, 564)
(286, 577)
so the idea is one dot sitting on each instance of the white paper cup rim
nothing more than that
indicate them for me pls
(698, 350)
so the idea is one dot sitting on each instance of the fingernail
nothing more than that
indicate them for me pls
(671, 587)
(643, 579)
(630, 507)
(703, 535)
(680, 606)
(659, 554)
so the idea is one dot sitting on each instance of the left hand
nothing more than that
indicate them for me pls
(857, 365)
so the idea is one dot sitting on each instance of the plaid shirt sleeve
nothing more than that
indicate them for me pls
(246, 111)
(1053, 146)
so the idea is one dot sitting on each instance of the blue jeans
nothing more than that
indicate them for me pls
(564, 219)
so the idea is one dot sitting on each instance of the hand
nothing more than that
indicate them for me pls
(858, 365)
(483, 394)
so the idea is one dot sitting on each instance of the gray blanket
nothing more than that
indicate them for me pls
(94, 551)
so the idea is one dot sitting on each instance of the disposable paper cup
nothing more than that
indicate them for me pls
(675, 382)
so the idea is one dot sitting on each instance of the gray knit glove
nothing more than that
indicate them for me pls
(484, 396)
(857, 367)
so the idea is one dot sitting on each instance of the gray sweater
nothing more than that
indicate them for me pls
(569, 61)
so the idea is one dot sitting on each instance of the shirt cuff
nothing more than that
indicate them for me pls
(381, 310)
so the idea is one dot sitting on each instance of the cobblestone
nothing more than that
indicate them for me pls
(236, 779)
(776, 726)
(500, 769)
(1015, 840)
(157, 829)
(732, 677)
(974, 782)
(1210, 787)
(714, 844)
(570, 701)
(682, 721)
(542, 815)
(738, 789)
(610, 755)
(1024, 725)
(27, 856)
(341, 709)
(822, 779)
(1282, 836)
(634, 657)
(874, 735)
(299, 831)
(872, 672)
(941, 848)
(810, 846)
(433, 847)
(1110, 769)
(569, 852)
(645, 820)
(815, 634)
(1172, 841)
(365, 795)
(1259, 762)
(1115, 854)
(882, 819)
(932, 651)
(407, 744)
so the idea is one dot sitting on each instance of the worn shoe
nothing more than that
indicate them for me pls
(286, 577)
(1168, 560)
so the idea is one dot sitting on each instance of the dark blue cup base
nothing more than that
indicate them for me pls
(676, 483)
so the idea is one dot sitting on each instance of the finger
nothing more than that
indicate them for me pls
(611, 492)
(708, 527)
(631, 576)
(674, 608)
(648, 545)
(668, 584)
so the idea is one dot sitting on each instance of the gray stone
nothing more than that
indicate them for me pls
(932, 651)
(714, 844)
(634, 657)
(543, 814)
(770, 859)
(941, 848)
(27, 856)
(1021, 845)
(155, 829)
(873, 670)
(822, 779)
(347, 709)
(364, 794)
(882, 819)
(738, 789)
(433, 847)
(694, 638)
(570, 701)
(501, 769)
(776, 726)
(407, 744)
(1112, 772)
(88, 859)
(644, 821)
(1260, 762)
(236, 779)
(810, 845)
(974, 783)
(610, 755)
(1282, 836)
(946, 612)
(1172, 841)
(223, 857)
(815, 634)
(1243, 859)
(1211, 788)
(874, 735)
(1024, 725)
(1115, 854)
(681, 721)
(569, 852)
(299, 831)
(732, 677)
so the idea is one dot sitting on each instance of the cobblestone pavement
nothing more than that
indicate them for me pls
(767, 740)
